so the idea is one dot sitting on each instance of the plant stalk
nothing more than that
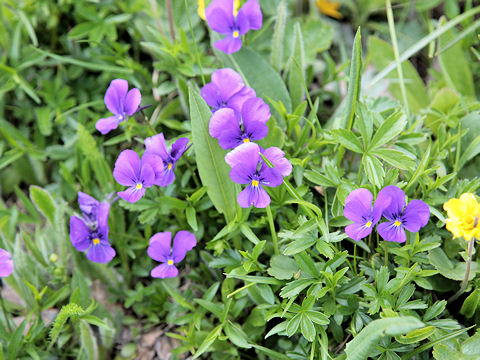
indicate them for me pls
(471, 245)
(272, 230)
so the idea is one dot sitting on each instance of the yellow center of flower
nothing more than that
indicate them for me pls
(397, 223)
(236, 34)
(138, 186)
(96, 241)
(246, 140)
(254, 182)
(368, 224)
(170, 166)
(469, 221)
(170, 262)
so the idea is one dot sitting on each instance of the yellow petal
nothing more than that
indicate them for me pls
(455, 208)
(329, 8)
(201, 9)
(471, 203)
(236, 5)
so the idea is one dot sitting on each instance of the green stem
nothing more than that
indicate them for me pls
(459, 148)
(386, 254)
(272, 230)
(471, 245)
(359, 172)
(239, 70)
(170, 19)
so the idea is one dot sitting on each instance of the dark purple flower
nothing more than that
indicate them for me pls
(6, 263)
(247, 168)
(413, 217)
(135, 173)
(233, 128)
(358, 208)
(121, 103)
(94, 238)
(160, 249)
(221, 19)
(226, 90)
(156, 146)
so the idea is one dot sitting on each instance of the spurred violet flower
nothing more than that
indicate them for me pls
(6, 263)
(156, 146)
(93, 238)
(121, 103)
(160, 250)
(137, 174)
(358, 208)
(233, 128)
(222, 19)
(226, 90)
(412, 217)
(248, 168)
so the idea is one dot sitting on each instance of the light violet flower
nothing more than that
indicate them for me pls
(121, 103)
(6, 263)
(358, 208)
(247, 168)
(412, 217)
(156, 146)
(135, 173)
(222, 19)
(160, 250)
(226, 90)
(233, 128)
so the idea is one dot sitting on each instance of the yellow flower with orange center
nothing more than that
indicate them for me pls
(329, 8)
(463, 216)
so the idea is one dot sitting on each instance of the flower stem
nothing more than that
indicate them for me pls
(467, 272)
(386, 255)
(170, 19)
(272, 230)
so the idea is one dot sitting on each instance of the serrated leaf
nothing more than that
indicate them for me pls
(389, 129)
(348, 139)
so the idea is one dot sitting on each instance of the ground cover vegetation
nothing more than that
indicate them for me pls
(224, 179)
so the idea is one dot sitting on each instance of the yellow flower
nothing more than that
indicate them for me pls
(463, 216)
(329, 8)
(236, 5)
(201, 9)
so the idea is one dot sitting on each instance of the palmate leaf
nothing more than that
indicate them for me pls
(210, 158)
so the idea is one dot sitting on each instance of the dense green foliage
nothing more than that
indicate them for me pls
(344, 112)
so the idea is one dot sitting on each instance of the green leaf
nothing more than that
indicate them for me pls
(276, 57)
(374, 170)
(395, 158)
(44, 119)
(210, 159)
(293, 324)
(307, 328)
(88, 341)
(455, 65)
(44, 202)
(354, 81)
(10, 156)
(348, 139)
(444, 102)
(296, 69)
(415, 336)
(390, 128)
(470, 152)
(236, 335)
(454, 271)
(209, 340)
(470, 304)
(282, 267)
(14, 343)
(361, 347)
(191, 216)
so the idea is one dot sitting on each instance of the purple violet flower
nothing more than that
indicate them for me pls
(93, 238)
(358, 208)
(226, 90)
(221, 19)
(121, 103)
(159, 250)
(6, 263)
(247, 168)
(412, 217)
(137, 174)
(233, 128)
(156, 146)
